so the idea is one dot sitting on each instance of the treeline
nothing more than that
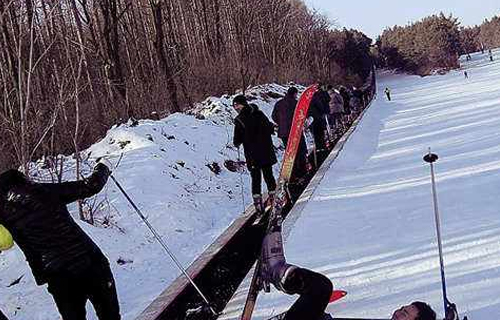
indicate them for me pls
(71, 68)
(429, 44)
(484, 36)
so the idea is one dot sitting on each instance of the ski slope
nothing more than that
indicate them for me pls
(370, 223)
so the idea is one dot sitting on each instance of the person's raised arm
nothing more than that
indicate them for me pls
(71, 191)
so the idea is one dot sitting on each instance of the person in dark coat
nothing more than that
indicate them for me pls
(282, 115)
(58, 251)
(318, 110)
(387, 92)
(347, 101)
(253, 130)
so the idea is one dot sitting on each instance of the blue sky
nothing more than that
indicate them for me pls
(372, 16)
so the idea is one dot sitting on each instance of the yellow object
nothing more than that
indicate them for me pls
(6, 241)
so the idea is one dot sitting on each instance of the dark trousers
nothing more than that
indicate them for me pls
(314, 289)
(256, 174)
(300, 163)
(96, 283)
(388, 96)
(319, 128)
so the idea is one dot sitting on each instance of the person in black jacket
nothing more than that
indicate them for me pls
(282, 115)
(58, 251)
(253, 129)
(319, 110)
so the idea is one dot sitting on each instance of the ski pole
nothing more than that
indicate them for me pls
(241, 183)
(162, 243)
(431, 158)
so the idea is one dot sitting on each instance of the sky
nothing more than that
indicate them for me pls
(373, 16)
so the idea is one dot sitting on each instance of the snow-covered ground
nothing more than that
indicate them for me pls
(164, 169)
(370, 224)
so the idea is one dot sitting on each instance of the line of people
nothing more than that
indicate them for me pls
(331, 113)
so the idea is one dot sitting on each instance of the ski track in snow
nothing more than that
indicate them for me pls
(370, 224)
(164, 171)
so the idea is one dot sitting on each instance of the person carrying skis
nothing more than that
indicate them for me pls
(253, 130)
(58, 251)
(387, 92)
(282, 115)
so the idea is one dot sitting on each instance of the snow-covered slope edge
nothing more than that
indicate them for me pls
(165, 169)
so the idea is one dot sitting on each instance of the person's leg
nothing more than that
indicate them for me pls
(269, 178)
(314, 289)
(256, 175)
(69, 296)
(103, 293)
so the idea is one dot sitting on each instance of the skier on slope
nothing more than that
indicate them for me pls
(253, 129)
(282, 115)
(387, 92)
(56, 248)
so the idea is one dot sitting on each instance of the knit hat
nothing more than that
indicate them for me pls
(240, 99)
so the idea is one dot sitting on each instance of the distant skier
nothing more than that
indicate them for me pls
(58, 251)
(253, 130)
(387, 92)
(282, 115)
(490, 54)
(466, 75)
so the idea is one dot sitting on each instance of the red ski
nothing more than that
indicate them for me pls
(299, 118)
(336, 295)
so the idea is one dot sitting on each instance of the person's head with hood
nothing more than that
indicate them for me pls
(11, 178)
(292, 92)
(240, 102)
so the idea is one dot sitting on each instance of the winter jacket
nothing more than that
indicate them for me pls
(336, 103)
(253, 129)
(346, 97)
(37, 217)
(319, 106)
(283, 115)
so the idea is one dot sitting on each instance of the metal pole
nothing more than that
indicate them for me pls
(162, 243)
(431, 158)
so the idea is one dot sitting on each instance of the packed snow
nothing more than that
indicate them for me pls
(165, 170)
(370, 223)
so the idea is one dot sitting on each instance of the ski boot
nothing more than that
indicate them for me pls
(270, 199)
(259, 206)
